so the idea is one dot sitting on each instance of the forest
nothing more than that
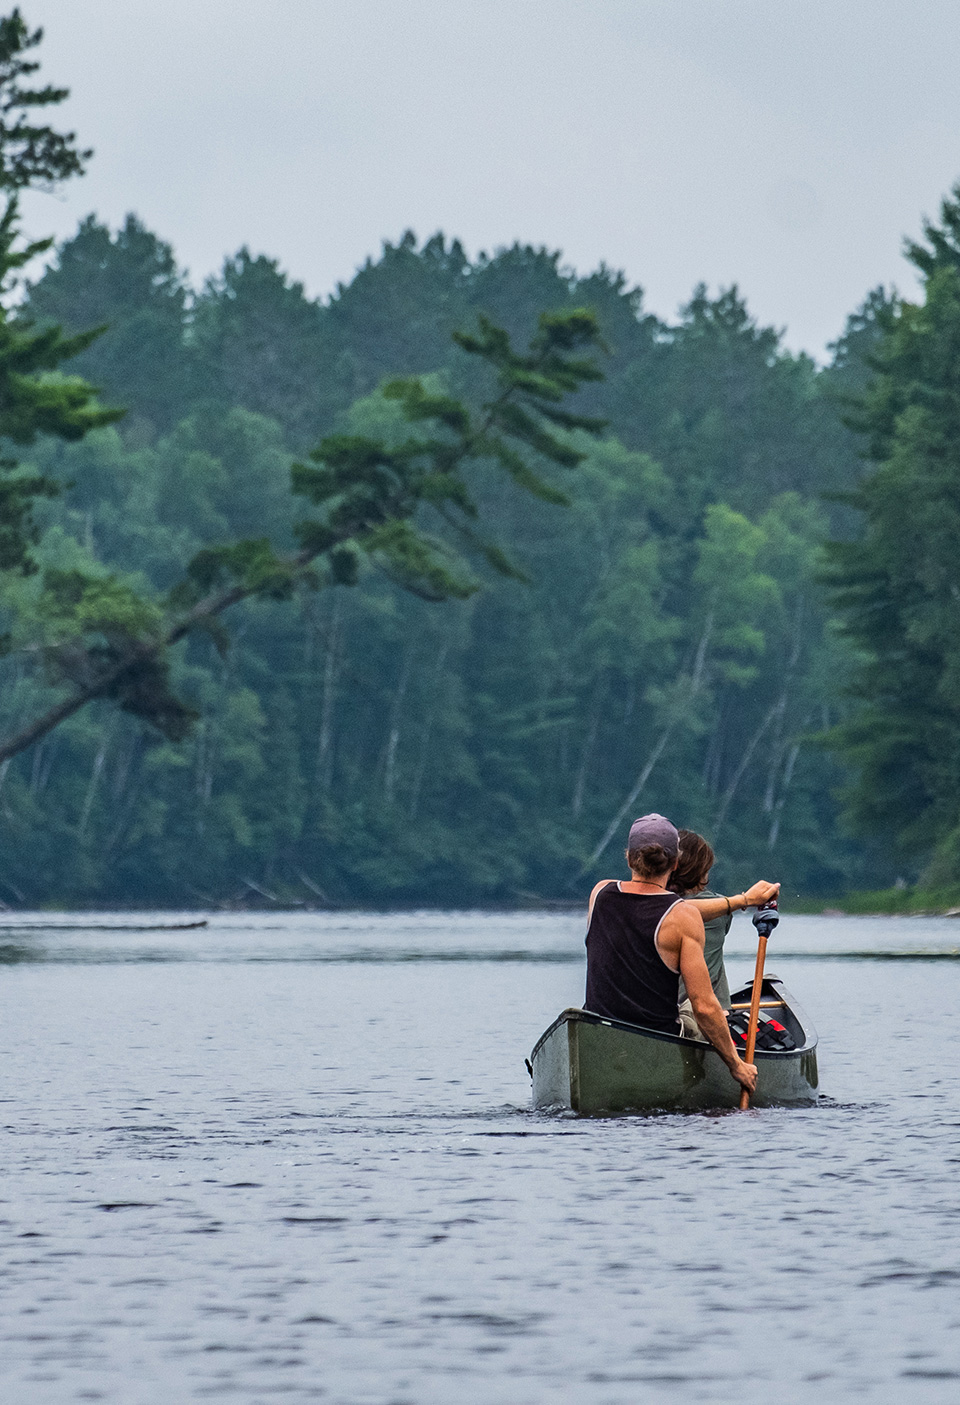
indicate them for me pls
(671, 649)
(705, 596)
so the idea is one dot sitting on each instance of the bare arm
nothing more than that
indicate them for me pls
(755, 896)
(682, 936)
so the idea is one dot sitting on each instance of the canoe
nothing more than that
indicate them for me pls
(588, 1064)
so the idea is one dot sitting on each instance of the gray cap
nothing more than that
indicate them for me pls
(654, 829)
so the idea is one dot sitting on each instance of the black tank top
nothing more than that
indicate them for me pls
(627, 978)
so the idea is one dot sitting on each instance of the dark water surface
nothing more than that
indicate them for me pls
(291, 1158)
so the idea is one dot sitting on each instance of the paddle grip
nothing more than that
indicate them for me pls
(766, 918)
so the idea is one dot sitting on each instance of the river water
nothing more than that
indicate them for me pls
(291, 1158)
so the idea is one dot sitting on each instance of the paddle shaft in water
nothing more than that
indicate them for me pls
(764, 920)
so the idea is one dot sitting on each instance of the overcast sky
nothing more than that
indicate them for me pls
(785, 145)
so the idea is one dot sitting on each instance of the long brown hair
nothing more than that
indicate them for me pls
(696, 861)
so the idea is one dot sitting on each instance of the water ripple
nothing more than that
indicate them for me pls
(237, 1173)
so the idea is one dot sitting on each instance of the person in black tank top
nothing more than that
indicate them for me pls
(627, 978)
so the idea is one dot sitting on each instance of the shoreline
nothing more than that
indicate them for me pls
(885, 903)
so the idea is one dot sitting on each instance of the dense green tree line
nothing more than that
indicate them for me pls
(671, 649)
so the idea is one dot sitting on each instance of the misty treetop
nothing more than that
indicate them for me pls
(714, 395)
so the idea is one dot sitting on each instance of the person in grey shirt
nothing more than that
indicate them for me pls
(689, 879)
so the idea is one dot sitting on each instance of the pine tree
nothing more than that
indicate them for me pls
(896, 585)
(31, 155)
(34, 398)
(128, 284)
(397, 315)
(258, 341)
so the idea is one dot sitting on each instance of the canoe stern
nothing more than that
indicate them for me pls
(590, 1065)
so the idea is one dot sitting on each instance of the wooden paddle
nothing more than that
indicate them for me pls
(764, 919)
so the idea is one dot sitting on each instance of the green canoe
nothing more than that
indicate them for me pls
(591, 1065)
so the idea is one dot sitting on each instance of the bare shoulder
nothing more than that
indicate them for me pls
(685, 918)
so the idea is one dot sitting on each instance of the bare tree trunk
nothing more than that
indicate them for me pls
(98, 763)
(779, 743)
(425, 739)
(35, 770)
(308, 615)
(713, 759)
(50, 756)
(393, 739)
(770, 794)
(586, 752)
(696, 682)
(776, 713)
(328, 698)
(640, 782)
(739, 773)
(700, 661)
(130, 791)
(204, 770)
(781, 798)
(121, 774)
